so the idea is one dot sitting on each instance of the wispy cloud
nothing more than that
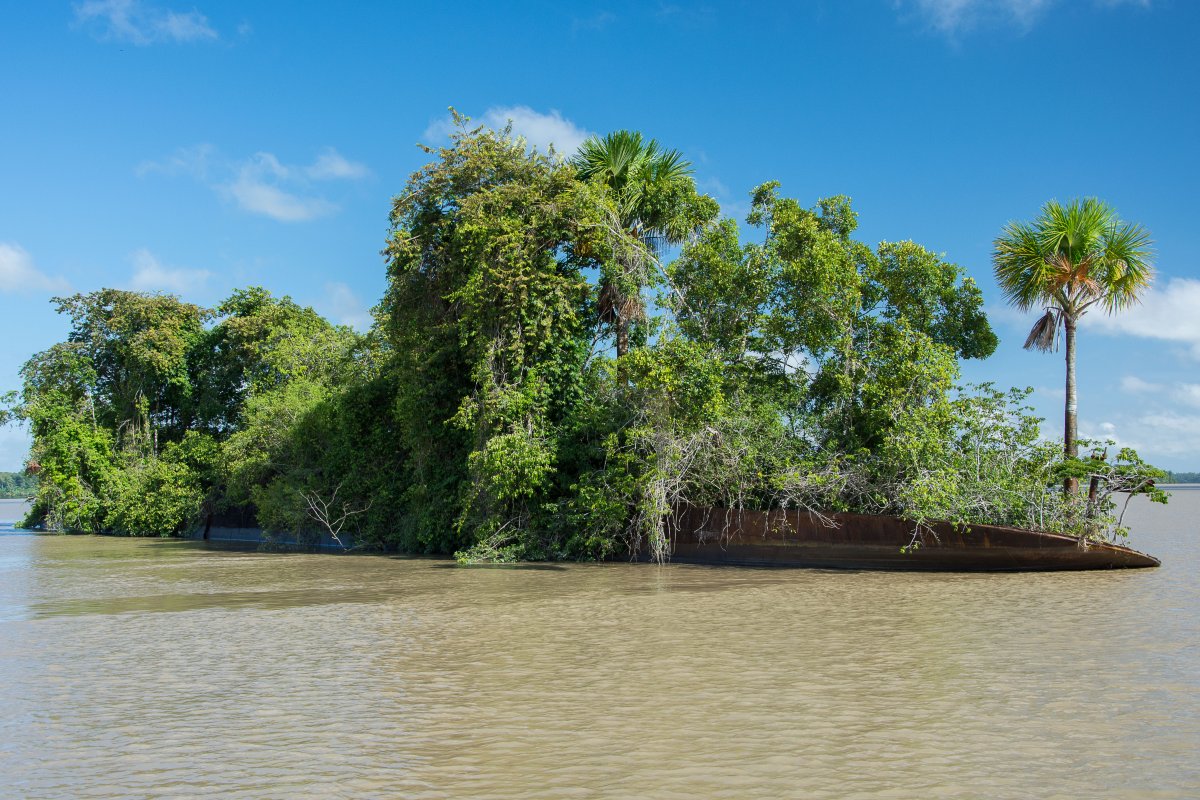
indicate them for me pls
(150, 275)
(1163, 422)
(1135, 385)
(1167, 433)
(141, 23)
(330, 164)
(258, 188)
(346, 308)
(1010, 317)
(689, 14)
(1167, 314)
(195, 162)
(596, 22)
(538, 129)
(1187, 393)
(954, 17)
(19, 275)
(1053, 392)
(262, 184)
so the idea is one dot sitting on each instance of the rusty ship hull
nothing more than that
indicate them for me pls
(795, 538)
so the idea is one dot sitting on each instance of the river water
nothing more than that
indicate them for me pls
(145, 668)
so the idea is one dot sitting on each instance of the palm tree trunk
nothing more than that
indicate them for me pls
(622, 336)
(1070, 418)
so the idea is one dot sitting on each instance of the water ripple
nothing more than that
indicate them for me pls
(149, 669)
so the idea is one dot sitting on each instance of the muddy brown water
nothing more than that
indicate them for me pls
(145, 668)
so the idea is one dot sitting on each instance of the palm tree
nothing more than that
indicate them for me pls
(1068, 260)
(646, 182)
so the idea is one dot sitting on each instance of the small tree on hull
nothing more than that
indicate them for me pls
(1068, 260)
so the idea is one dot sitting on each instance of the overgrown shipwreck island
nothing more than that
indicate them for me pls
(581, 359)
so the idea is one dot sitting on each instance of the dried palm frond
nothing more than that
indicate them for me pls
(614, 305)
(1044, 334)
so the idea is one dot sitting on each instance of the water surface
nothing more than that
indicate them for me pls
(148, 668)
(11, 512)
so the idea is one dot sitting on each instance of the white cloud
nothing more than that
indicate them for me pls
(140, 23)
(1170, 433)
(1187, 393)
(1159, 436)
(1107, 431)
(596, 22)
(1011, 317)
(1135, 385)
(330, 164)
(193, 161)
(149, 275)
(1053, 392)
(262, 184)
(538, 129)
(951, 17)
(1159, 423)
(1168, 314)
(256, 190)
(19, 275)
(346, 307)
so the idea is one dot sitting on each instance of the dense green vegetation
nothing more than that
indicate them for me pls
(1182, 477)
(542, 382)
(16, 485)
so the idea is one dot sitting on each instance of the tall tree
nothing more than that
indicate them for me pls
(1069, 259)
(486, 311)
(137, 347)
(657, 206)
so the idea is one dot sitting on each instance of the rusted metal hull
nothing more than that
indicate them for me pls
(792, 538)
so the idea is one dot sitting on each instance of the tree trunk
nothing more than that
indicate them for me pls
(1070, 418)
(622, 336)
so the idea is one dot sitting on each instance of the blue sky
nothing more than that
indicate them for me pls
(199, 145)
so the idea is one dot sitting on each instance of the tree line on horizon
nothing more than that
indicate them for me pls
(17, 485)
(566, 350)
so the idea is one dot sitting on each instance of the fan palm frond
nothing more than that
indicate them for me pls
(1073, 256)
(1129, 270)
(1020, 266)
(634, 168)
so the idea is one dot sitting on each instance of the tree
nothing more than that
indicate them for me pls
(1068, 260)
(869, 333)
(259, 344)
(657, 206)
(488, 311)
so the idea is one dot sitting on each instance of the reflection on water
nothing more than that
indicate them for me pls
(138, 668)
